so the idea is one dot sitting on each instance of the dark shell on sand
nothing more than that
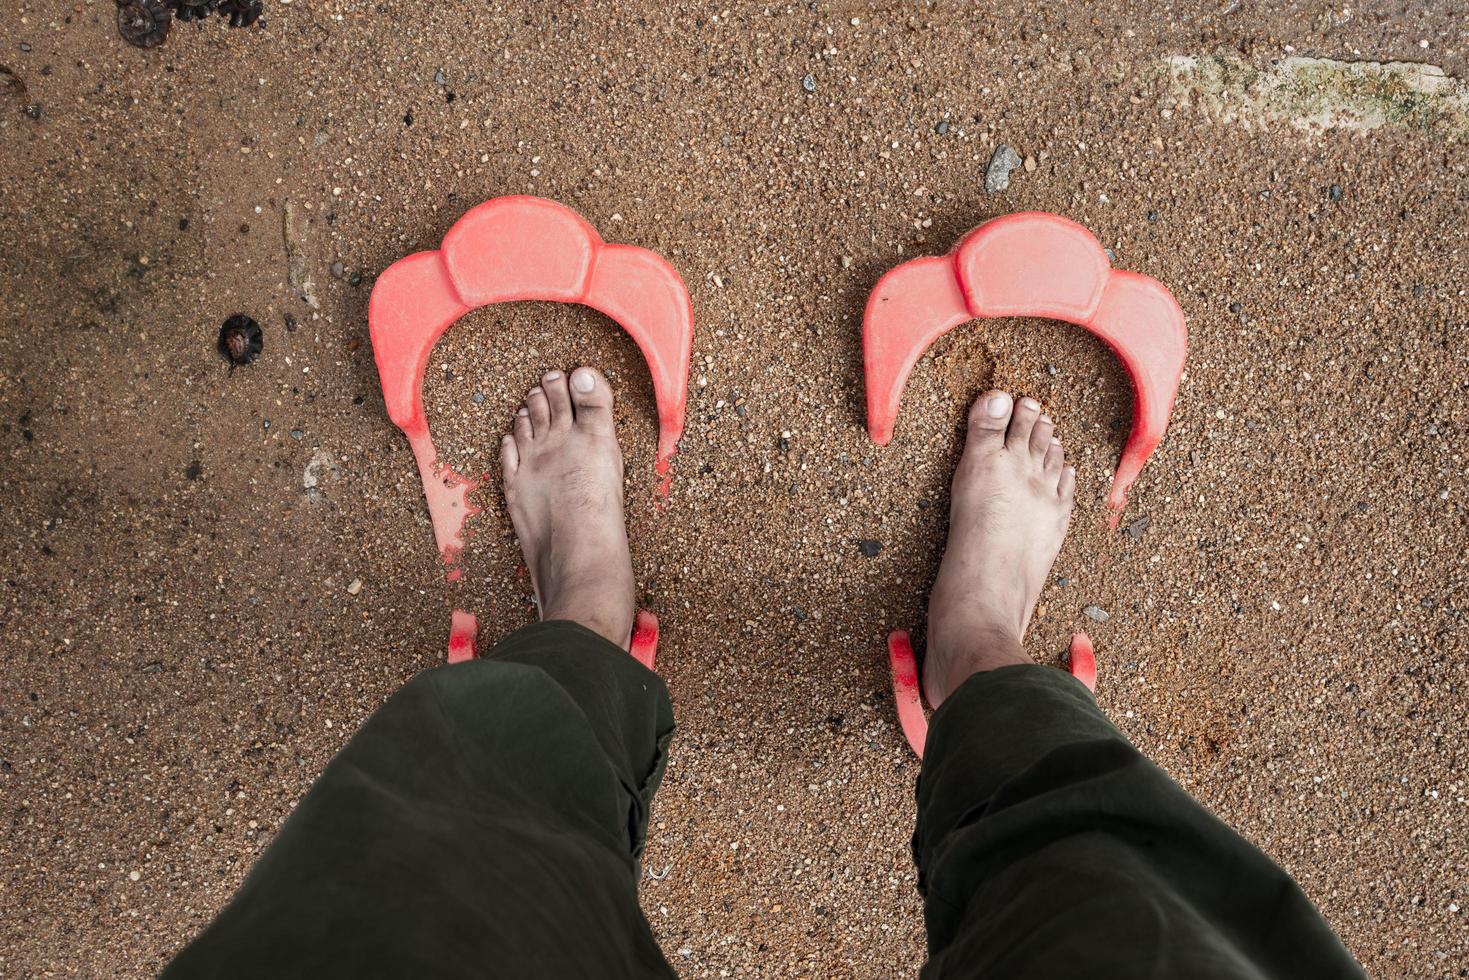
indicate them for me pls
(241, 13)
(143, 23)
(188, 10)
(240, 340)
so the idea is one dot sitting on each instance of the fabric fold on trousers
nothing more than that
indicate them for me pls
(1047, 846)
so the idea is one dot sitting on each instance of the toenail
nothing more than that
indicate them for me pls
(536, 390)
(998, 406)
(551, 375)
(583, 380)
(522, 411)
(1030, 403)
(1045, 418)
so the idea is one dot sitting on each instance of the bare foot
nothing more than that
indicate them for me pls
(563, 487)
(1010, 506)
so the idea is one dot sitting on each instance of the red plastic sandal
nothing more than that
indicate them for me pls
(505, 250)
(908, 694)
(1027, 264)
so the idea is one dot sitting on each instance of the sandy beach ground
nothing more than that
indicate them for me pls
(183, 643)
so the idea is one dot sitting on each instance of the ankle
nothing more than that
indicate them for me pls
(969, 651)
(605, 623)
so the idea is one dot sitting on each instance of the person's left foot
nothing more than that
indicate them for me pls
(563, 487)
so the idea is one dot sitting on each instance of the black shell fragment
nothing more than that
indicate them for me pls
(241, 13)
(143, 23)
(240, 340)
(188, 10)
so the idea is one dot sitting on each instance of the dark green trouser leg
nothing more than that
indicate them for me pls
(486, 821)
(1048, 847)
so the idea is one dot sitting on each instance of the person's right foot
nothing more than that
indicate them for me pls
(1007, 518)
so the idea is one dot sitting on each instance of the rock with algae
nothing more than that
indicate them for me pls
(1318, 94)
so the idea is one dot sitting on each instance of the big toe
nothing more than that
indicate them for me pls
(592, 396)
(989, 417)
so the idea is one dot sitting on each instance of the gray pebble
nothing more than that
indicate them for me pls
(798, 613)
(1137, 528)
(338, 270)
(478, 397)
(439, 78)
(1334, 192)
(297, 434)
(869, 548)
(942, 128)
(809, 83)
(1096, 613)
(997, 174)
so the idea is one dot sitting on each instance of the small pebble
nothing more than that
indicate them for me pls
(354, 587)
(478, 398)
(1096, 613)
(297, 434)
(1334, 192)
(1137, 528)
(997, 174)
(809, 83)
(942, 128)
(869, 548)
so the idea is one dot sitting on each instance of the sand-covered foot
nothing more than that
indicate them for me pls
(1010, 506)
(563, 487)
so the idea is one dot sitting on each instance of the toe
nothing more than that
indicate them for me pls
(509, 456)
(1040, 437)
(1066, 489)
(540, 411)
(988, 417)
(1022, 421)
(592, 396)
(559, 398)
(1055, 458)
(521, 430)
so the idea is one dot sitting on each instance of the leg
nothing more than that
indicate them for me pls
(1046, 845)
(489, 818)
